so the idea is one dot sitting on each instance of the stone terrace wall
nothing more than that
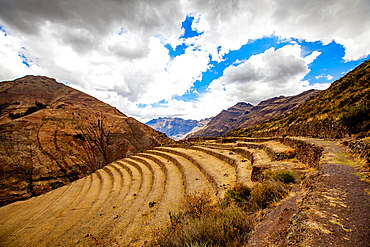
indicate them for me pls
(361, 148)
(306, 152)
(323, 129)
(276, 156)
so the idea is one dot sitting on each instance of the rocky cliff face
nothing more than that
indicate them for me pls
(51, 134)
(246, 115)
(177, 128)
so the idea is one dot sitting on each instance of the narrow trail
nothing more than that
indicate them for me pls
(333, 211)
(342, 205)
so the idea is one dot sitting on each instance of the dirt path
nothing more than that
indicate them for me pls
(339, 203)
(333, 211)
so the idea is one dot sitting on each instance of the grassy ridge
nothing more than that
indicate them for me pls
(346, 102)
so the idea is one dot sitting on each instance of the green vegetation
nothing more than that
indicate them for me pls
(356, 117)
(284, 176)
(227, 223)
(38, 106)
(239, 194)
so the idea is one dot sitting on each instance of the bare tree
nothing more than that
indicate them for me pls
(95, 142)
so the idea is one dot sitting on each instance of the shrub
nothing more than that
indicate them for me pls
(259, 197)
(227, 226)
(239, 194)
(265, 194)
(228, 223)
(195, 205)
(283, 176)
(38, 106)
(216, 226)
(14, 116)
(355, 117)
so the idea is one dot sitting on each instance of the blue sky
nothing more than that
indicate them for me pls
(188, 59)
(326, 68)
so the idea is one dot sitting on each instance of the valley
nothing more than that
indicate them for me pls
(300, 179)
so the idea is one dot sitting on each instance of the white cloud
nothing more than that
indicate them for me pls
(11, 53)
(236, 22)
(263, 76)
(328, 77)
(115, 50)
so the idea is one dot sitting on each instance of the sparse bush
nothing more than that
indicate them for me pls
(196, 206)
(217, 226)
(265, 194)
(228, 223)
(38, 106)
(283, 176)
(239, 194)
(224, 227)
(16, 115)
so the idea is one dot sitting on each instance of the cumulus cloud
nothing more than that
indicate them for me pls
(269, 74)
(115, 50)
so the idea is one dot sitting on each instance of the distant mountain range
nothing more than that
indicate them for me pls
(244, 115)
(177, 128)
(241, 115)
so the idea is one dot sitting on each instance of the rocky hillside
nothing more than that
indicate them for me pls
(340, 110)
(177, 128)
(246, 115)
(52, 134)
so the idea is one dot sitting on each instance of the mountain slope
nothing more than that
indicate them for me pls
(177, 128)
(246, 115)
(52, 134)
(340, 110)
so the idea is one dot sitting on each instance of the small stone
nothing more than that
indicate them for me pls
(151, 204)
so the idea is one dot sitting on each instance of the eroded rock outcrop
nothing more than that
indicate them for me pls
(73, 135)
